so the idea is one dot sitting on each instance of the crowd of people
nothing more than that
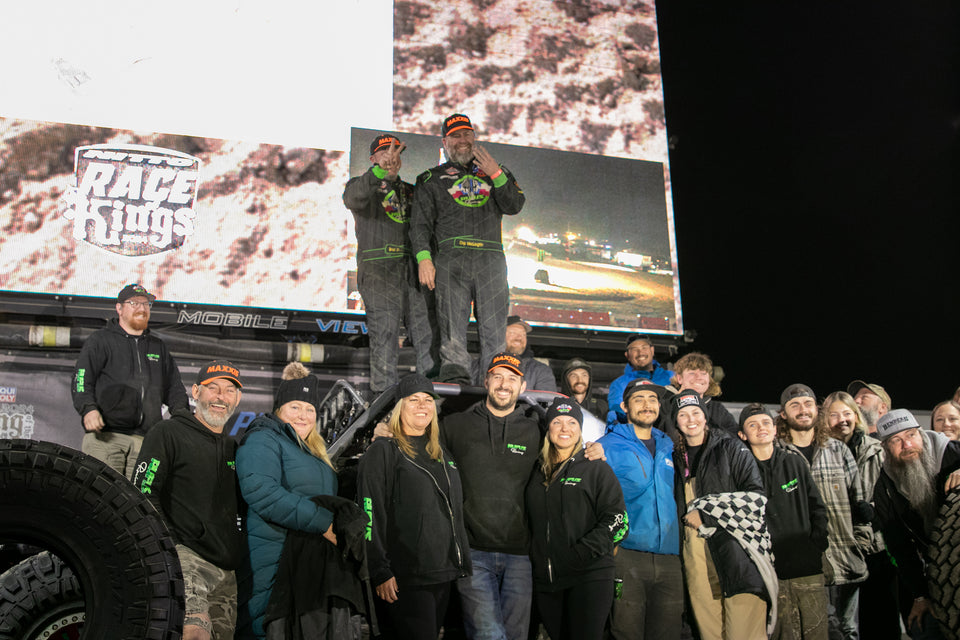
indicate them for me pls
(493, 520)
(682, 521)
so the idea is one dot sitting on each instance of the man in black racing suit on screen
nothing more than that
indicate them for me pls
(380, 202)
(455, 232)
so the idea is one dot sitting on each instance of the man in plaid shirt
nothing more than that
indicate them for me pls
(802, 429)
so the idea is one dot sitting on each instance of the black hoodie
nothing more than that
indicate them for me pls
(597, 406)
(496, 457)
(188, 473)
(127, 378)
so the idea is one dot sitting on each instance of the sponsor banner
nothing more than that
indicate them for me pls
(132, 200)
(37, 406)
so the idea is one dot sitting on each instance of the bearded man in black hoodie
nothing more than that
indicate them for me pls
(495, 444)
(186, 469)
(577, 382)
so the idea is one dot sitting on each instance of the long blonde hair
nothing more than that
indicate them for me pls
(314, 443)
(551, 458)
(433, 433)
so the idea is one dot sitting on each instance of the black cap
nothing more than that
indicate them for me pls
(219, 369)
(383, 140)
(796, 390)
(454, 123)
(642, 384)
(751, 410)
(518, 320)
(564, 407)
(415, 383)
(134, 290)
(633, 337)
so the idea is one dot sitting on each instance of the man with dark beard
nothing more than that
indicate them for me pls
(803, 430)
(577, 382)
(123, 376)
(920, 467)
(186, 469)
(455, 232)
(495, 444)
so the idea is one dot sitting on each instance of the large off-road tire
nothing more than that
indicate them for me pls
(41, 598)
(96, 521)
(944, 567)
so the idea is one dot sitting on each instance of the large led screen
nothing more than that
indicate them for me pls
(213, 173)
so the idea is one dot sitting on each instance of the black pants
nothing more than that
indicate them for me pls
(880, 618)
(416, 615)
(577, 613)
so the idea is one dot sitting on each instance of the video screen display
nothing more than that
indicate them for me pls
(235, 198)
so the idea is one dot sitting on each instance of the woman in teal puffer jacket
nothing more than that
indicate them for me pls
(282, 463)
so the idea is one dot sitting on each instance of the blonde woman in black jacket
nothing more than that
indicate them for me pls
(416, 542)
(577, 517)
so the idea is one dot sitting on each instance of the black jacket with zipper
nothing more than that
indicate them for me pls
(495, 456)
(415, 530)
(127, 378)
(725, 465)
(575, 522)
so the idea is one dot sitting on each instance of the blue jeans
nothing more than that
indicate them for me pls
(496, 599)
(842, 611)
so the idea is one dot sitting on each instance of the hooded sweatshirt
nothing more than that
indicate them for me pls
(127, 378)
(187, 471)
(496, 457)
(596, 406)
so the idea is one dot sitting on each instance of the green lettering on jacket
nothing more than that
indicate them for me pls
(149, 476)
(368, 509)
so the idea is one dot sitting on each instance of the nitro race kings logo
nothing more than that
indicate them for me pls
(132, 200)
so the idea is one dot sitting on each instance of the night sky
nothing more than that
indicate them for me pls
(815, 180)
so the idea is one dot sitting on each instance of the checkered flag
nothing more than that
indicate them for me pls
(742, 515)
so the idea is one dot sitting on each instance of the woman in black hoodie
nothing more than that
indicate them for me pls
(416, 541)
(577, 517)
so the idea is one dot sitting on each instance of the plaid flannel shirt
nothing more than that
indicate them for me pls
(835, 471)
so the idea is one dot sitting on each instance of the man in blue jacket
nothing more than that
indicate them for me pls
(640, 366)
(651, 603)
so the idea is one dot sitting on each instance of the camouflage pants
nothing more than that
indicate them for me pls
(802, 609)
(210, 590)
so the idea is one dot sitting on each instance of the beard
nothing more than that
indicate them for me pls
(916, 479)
(139, 322)
(462, 156)
(870, 416)
(801, 427)
(499, 405)
(217, 421)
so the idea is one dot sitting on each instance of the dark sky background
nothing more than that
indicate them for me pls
(815, 179)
